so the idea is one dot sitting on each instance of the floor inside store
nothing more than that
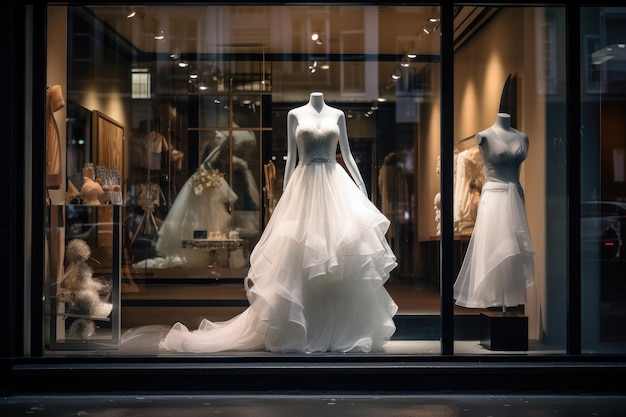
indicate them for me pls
(153, 300)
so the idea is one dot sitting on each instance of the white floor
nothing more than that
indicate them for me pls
(144, 340)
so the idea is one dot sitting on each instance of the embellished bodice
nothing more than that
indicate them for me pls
(317, 144)
(502, 159)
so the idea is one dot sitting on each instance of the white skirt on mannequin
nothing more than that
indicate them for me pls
(317, 275)
(499, 261)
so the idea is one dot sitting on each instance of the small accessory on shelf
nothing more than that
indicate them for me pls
(91, 191)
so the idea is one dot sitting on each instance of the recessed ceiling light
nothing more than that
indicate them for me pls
(130, 12)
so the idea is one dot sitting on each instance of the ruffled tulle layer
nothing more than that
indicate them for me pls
(317, 275)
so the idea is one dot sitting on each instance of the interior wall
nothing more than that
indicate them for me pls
(428, 149)
(57, 75)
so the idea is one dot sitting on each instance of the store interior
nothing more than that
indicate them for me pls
(154, 91)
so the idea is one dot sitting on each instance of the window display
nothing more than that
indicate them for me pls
(205, 162)
(167, 158)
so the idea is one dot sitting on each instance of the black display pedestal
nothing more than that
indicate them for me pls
(503, 331)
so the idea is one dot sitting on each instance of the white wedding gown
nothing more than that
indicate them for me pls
(499, 261)
(317, 274)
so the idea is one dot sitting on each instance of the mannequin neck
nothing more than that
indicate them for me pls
(503, 121)
(317, 101)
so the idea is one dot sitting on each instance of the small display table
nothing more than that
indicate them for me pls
(213, 245)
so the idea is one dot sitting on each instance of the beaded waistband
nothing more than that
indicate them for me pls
(319, 160)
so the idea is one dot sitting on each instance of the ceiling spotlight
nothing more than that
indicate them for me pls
(434, 17)
(183, 64)
(160, 35)
(202, 87)
(396, 75)
(324, 67)
(426, 30)
(131, 12)
(193, 76)
(411, 53)
(315, 37)
(405, 61)
(313, 67)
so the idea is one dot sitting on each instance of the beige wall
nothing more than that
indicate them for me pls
(57, 75)
(505, 45)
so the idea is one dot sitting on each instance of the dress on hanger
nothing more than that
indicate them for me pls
(317, 274)
(499, 262)
(469, 180)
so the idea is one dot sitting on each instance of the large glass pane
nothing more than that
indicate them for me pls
(603, 194)
(202, 95)
(509, 188)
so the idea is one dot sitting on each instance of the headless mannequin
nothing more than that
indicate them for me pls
(316, 112)
(492, 140)
(502, 127)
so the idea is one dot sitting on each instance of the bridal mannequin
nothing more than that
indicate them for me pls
(499, 262)
(317, 274)
(317, 112)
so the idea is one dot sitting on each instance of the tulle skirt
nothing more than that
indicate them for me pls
(499, 262)
(317, 275)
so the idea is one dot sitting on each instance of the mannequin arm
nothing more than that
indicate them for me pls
(292, 150)
(348, 159)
